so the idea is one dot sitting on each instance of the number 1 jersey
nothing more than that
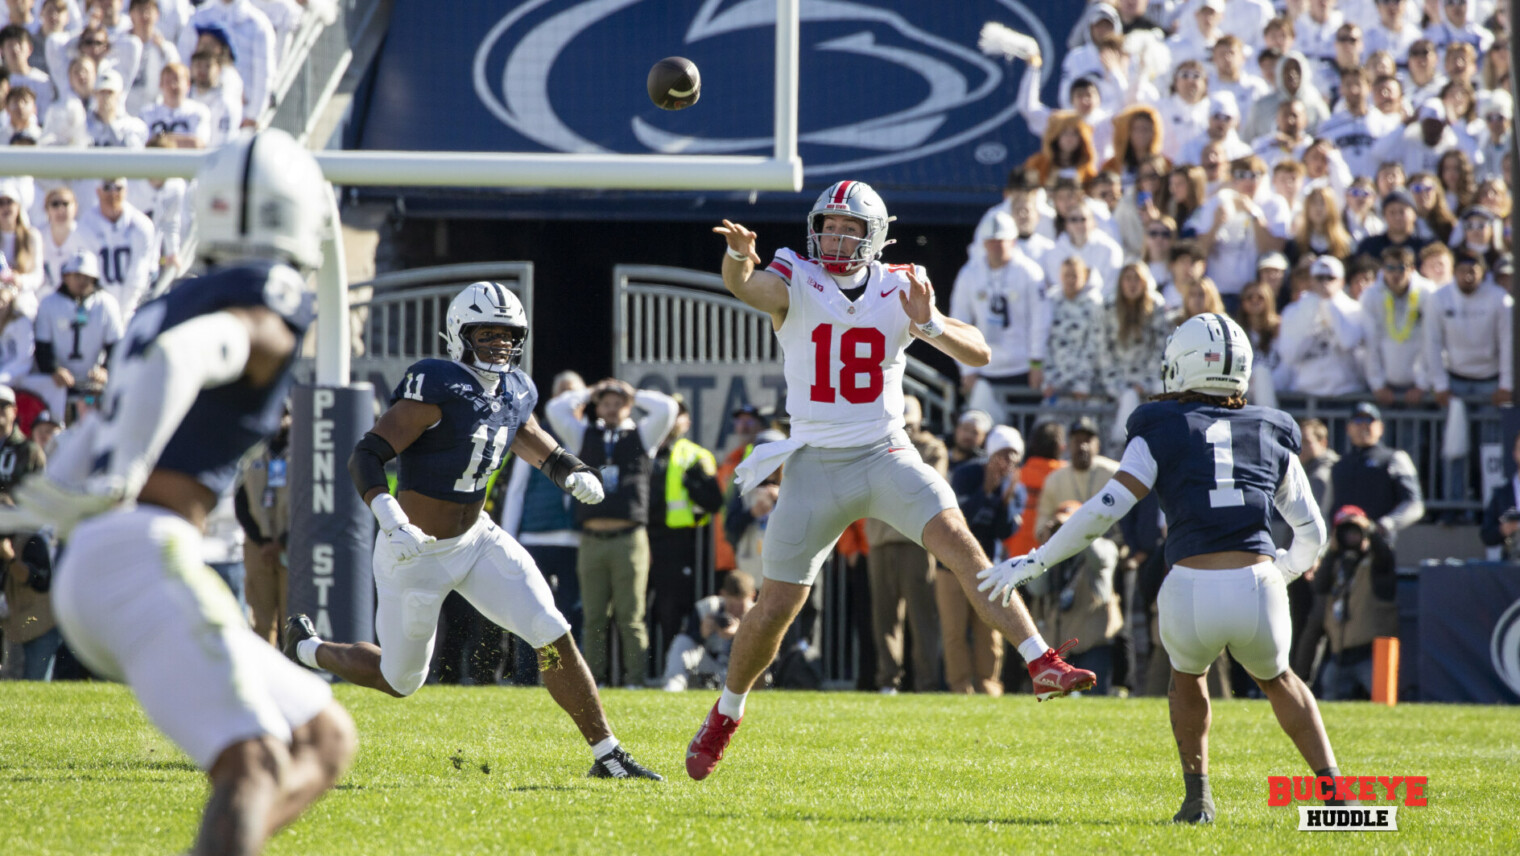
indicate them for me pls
(454, 459)
(1216, 473)
(843, 361)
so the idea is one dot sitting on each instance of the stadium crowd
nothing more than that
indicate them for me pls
(1334, 175)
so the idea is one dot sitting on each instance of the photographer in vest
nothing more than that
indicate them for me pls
(683, 494)
(613, 564)
(1358, 578)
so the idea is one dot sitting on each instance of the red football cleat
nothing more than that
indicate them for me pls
(1053, 677)
(706, 749)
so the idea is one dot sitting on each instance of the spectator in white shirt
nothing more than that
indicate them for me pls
(1100, 254)
(20, 244)
(1321, 332)
(1224, 118)
(284, 17)
(1418, 148)
(1495, 137)
(124, 240)
(1470, 337)
(76, 328)
(1024, 203)
(1233, 230)
(1099, 20)
(252, 41)
(163, 201)
(174, 16)
(1185, 112)
(21, 110)
(118, 51)
(1354, 127)
(55, 33)
(18, 341)
(1388, 97)
(185, 121)
(1085, 99)
(1395, 310)
(1348, 56)
(1230, 74)
(1458, 27)
(1424, 77)
(1289, 141)
(61, 239)
(1316, 28)
(1393, 32)
(1196, 36)
(157, 53)
(1002, 294)
(16, 49)
(222, 100)
(108, 125)
(67, 121)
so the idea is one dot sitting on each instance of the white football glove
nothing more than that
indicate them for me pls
(1009, 574)
(41, 501)
(585, 487)
(406, 542)
(1282, 566)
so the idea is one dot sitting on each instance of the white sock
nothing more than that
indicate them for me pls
(603, 748)
(731, 704)
(1033, 648)
(306, 651)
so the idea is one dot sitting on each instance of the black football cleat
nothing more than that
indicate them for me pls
(618, 764)
(298, 629)
(1195, 811)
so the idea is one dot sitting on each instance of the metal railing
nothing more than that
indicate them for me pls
(319, 54)
(1419, 431)
(397, 318)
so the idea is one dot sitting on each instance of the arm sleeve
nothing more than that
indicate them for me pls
(1036, 115)
(245, 516)
(512, 498)
(560, 412)
(1406, 484)
(661, 412)
(1435, 343)
(1086, 524)
(1507, 345)
(20, 332)
(1295, 502)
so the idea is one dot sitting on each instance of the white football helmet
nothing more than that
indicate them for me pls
(852, 199)
(485, 303)
(1208, 353)
(260, 197)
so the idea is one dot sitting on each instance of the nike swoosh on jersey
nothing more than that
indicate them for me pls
(888, 291)
(523, 394)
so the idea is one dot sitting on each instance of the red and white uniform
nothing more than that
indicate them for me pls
(843, 361)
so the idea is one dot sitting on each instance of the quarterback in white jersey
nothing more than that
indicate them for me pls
(844, 320)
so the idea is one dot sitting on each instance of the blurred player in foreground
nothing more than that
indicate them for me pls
(844, 321)
(450, 423)
(198, 380)
(1220, 467)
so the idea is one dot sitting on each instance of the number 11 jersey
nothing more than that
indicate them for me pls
(454, 458)
(843, 361)
(1216, 472)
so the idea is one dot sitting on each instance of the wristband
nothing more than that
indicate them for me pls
(388, 512)
(737, 256)
(933, 329)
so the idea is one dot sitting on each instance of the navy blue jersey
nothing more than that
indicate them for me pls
(226, 422)
(1217, 471)
(454, 459)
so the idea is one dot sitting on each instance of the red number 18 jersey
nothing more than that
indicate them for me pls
(843, 361)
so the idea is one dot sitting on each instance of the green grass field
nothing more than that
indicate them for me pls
(456, 770)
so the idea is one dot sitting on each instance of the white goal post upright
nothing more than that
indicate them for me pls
(331, 530)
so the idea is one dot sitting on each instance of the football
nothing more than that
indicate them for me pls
(674, 83)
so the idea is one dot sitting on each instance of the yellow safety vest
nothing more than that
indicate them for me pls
(678, 509)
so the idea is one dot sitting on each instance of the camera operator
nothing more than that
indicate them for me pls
(1358, 579)
(702, 655)
(26, 575)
